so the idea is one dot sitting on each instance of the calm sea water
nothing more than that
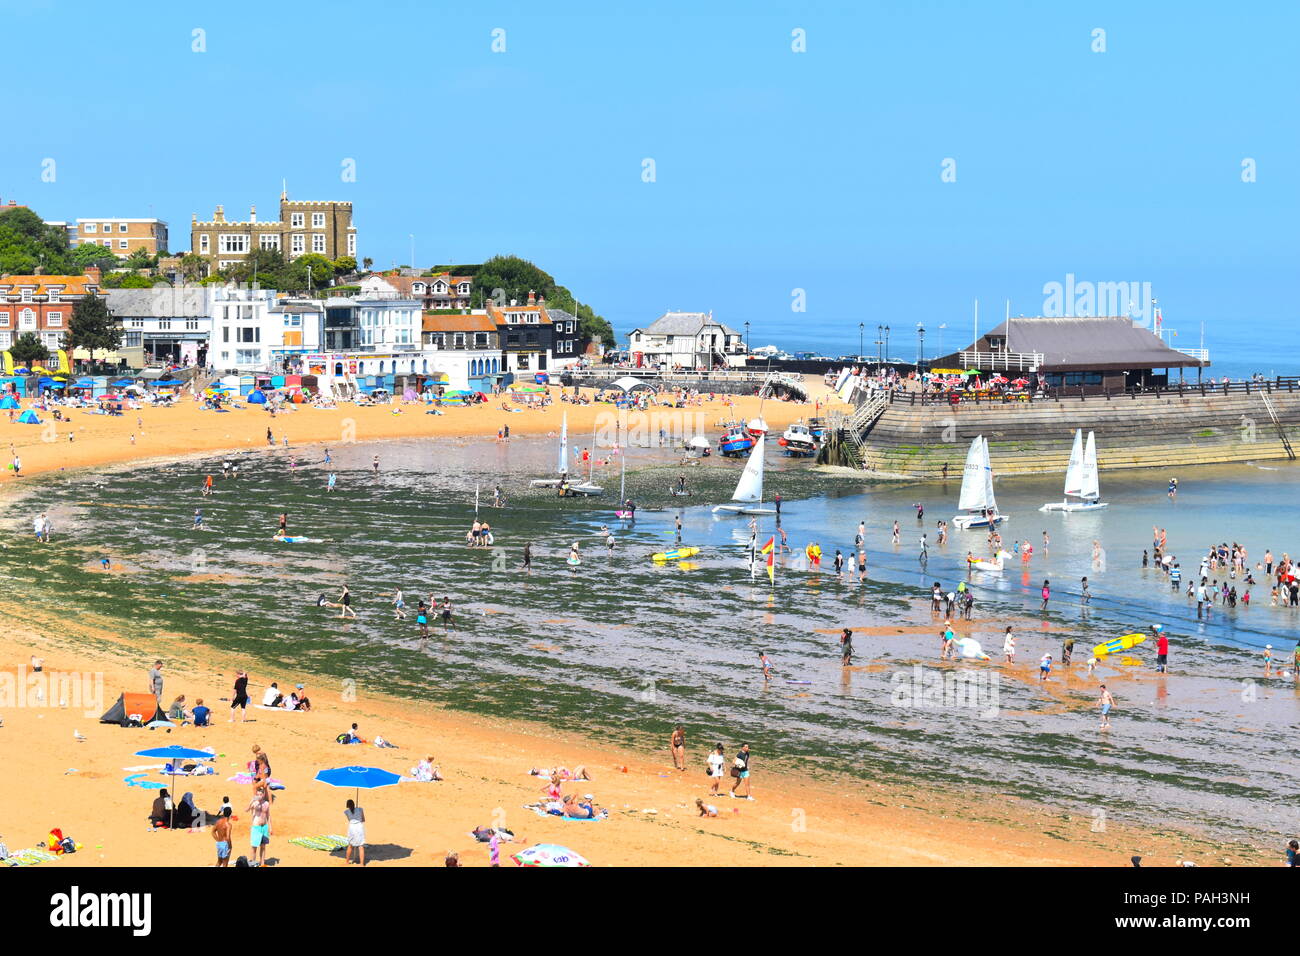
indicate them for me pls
(621, 646)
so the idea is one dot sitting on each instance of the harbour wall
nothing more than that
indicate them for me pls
(1134, 430)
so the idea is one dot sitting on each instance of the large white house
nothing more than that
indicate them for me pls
(692, 340)
(254, 331)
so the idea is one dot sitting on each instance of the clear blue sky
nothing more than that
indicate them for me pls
(775, 170)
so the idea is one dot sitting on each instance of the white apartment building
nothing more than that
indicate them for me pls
(253, 330)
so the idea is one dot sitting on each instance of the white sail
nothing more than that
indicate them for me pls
(973, 487)
(622, 476)
(990, 502)
(1089, 488)
(563, 469)
(1074, 472)
(750, 487)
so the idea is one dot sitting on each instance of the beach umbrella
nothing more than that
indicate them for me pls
(168, 383)
(172, 754)
(548, 854)
(358, 778)
(120, 383)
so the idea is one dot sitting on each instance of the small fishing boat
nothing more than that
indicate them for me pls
(977, 498)
(748, 497)
(736, 441)
(798, 440)
(1082, 491)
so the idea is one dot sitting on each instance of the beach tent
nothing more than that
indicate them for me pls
(257, 397)
(29, 418)
(133, 710)
(8, 402)
(627, 383)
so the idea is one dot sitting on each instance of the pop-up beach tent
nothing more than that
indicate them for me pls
(9, 402)
(29, 418)
(133, 710)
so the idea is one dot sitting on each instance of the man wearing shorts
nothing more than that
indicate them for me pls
(222, 831)
(239, 699)
(1105, 702)
(260, 833)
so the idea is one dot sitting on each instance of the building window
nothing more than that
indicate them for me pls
(133, 340)
(121, 227)
(296, 245)
(27, 319)
(191, 325)
(54, 320)
(121, 243)
(108, 227)
(295, 220)
(4, 320)
(232, 243)
(318, 220)
(352, 243)
(203, 244)
(317, 242)
(108, 243)
(269, 240)
(90, 227)
(164, 325)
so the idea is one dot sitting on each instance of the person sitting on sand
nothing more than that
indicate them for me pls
(273, 697)
(177, 709)
(584, 809)
(350, 736)
(160, 814)
(706, 809)
(425, 771)
(298, 700)
(200, 713)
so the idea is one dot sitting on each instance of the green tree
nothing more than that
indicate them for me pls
(28, 349)
(193, 266)
(296, 278)
(129, 280)
(27, 243)
(141, 259)
(90, 254)
(266, 267)
(345, 265)
(366, 264)
(92, 327)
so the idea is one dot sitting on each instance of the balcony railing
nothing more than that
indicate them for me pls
(1020, 361)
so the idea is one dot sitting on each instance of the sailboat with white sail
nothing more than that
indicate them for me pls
(977, 498)
(747, 499)
(1082, 485)
(588, 487)
(562, 467)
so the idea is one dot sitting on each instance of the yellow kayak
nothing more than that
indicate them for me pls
(675, 554)
(1118, 644)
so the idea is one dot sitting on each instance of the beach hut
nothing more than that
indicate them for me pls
(29, 418)
(133, 710)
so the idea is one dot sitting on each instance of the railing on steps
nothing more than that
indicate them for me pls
(1272, 414)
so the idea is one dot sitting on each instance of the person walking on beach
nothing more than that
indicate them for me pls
(374, 465)
(528, 559)
(717, 767)
(270, 439)
(862, 566)
(896, 533)
(1105, 702)
(356, 818)
(239, 698)
(740, 770)
(223, 833)
(260, 832)
(1045, 667)
(331, 482)
(846, 647)
(345, 603)
(447, 623)
(766, 665)
(1067, 651)
(1009, 646)
(207, 486)
(399, 606)
(1047, 594)
(1085, 596)
(677, 744)
(156, 680)
(924, 556)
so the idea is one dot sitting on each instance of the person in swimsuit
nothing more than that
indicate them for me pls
(422, 618)
(678, 747)
(446, 613)
(223, 834)
(399, 605)
(528, 558)
(345, 603)
(239, 699)
(846, 647)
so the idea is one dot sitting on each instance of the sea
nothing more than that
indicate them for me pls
(623, 647)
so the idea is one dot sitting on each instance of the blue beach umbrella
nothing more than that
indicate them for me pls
(168, 383)
(172, 754)
(358, 778)
(121, 383)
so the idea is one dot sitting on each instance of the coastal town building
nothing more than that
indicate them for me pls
(42, 305)
(166, 325)
(688, 340)
(254, 330)
(534, 338)
(321, 227)
(347, 374)
(1076, 352)
(121, 236)
(441, 291)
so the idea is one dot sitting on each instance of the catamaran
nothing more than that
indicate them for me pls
(562, 468)
(1081, 481)
(748, 496)
(977, 498)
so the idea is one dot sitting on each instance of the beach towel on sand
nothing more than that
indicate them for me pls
(541, 811)
(327, 843)
(29, 857)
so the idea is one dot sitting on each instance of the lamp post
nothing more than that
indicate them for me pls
(746, 338)
(886, 343)
(880, 343)
(920, 344)
(862, 330)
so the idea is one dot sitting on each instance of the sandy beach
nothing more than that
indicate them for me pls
(55, 779)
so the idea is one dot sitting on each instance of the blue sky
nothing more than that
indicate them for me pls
(775, 170)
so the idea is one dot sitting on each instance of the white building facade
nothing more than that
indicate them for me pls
(254, 331)
(689, 340)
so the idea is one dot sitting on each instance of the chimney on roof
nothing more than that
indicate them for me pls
(219, 215)
(93, 275)
(541, 300)
(252, 213)
(531, 299)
